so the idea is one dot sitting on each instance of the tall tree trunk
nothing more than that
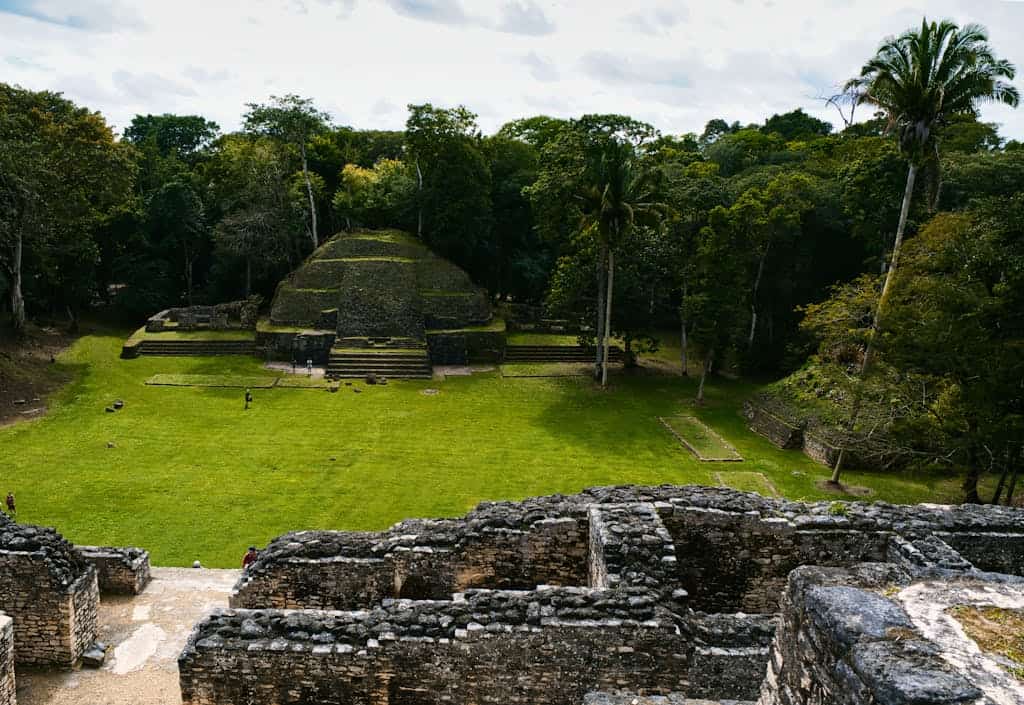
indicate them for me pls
(17, 298)
(419, 201)
(705, 369)
(248, 276)
(599, 338)
(879, 311)
(753, 300)
(608, 317)
(188, 278)
(970, 485)
(682, 333)
(312, 204)
(998, 494)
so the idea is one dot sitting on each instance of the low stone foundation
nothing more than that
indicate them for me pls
(50, 592)
(7, 689)
(120, 571)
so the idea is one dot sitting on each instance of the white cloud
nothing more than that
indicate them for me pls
(677, 63)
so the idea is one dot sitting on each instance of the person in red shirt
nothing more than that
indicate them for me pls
(250, 557)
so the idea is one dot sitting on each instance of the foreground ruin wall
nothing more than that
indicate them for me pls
(859, 636)
(50, 592)
(646, 590)
(513, 647)
(7, 690)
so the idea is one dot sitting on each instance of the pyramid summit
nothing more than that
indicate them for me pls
(375, 284)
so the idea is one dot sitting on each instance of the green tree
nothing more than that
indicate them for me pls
(920, 80)
(248, 185)
(176, 220)
(453, 183)
(294, 121)
(61, 175)
(616, 194)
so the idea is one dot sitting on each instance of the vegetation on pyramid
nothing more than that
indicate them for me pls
(378, 283)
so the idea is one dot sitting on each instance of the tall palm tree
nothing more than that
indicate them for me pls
(920, 80)
(616, 195)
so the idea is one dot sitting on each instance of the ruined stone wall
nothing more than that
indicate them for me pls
(416, 559)
(515, 647)
(780, 432)
(7, 690)
(120, 571)
(739, 562)
(842, 641)
(702, 568)
(49, 592)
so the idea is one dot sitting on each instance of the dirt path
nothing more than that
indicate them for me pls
(146, 633)
(27, 373)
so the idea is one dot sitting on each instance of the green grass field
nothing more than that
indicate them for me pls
(194, 476)
(707, 444)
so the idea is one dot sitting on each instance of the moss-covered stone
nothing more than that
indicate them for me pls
(382, 283)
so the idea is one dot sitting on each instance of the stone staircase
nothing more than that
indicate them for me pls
(197, 347)
(392, 358)
(557, 353)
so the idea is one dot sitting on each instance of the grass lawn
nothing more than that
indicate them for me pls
(194, 476)
(704, 441)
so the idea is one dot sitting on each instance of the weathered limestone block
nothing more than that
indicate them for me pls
(843, 642)
(7, 689)
(120, 571)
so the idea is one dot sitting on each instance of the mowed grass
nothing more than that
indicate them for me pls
(194, 476)
(708, 444)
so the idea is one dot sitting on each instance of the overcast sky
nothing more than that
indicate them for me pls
(674, 64)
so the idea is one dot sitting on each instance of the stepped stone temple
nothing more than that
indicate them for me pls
(380, 301)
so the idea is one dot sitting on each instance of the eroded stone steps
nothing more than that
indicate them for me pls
(197, 348)
(392, 362)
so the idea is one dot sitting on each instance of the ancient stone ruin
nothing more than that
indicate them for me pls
(621, 595)
(49, 595)
(50, 592)
(370, 292)
(234, 315)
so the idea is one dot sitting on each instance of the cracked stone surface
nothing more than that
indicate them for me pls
(146, 633)
(928, 605)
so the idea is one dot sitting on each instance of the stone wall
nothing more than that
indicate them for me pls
(49, 591)
(120, 571)
(778, 431)
(552, 645)
(227, 316)
(7, 689)
(645, 590)
(844, 641)
(419, 559)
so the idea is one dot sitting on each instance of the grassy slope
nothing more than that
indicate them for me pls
(194, 476)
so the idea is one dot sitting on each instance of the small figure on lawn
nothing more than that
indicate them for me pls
(309, 367)
(10, 504)
(250, 557)
(294, 362)
(248, 398)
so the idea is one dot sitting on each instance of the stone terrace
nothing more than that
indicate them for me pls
(655, 591)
